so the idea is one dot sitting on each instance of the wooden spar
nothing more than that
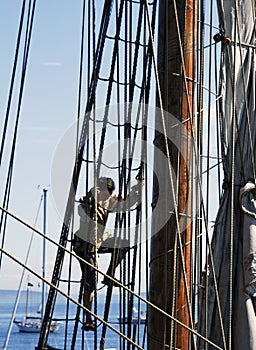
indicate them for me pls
(185, 198)
(167, 283)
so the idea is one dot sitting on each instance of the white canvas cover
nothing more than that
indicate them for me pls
(234, 238)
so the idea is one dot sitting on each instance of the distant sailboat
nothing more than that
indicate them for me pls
(32, 324)
(136, 317)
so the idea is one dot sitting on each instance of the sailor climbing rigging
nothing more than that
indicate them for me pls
(91, 238)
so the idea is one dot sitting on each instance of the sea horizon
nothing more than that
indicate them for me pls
(29, 340)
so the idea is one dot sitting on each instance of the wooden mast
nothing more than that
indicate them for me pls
(166, 264)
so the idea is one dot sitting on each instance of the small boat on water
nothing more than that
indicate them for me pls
(28, 326)
(32, 324)
(136, 317)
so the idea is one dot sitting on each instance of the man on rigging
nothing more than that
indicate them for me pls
(90, 239)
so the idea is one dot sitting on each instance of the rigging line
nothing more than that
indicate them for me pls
(203, 205)
(96, 269)
(112, 167)
(140, 277)
(208, 133)
(208, 136)
(128, 41)
(80, 80)
(149, 56)
(3, 220)
(210, 45)
(245, 95)
(133, 274)
(12, 82)
(88, 87)
(220, 159)
(76, 171)
(200, 76)
(121, 125)
(207, 24)
(200, 184)
(168, 155)
(109, 91)
(239, 145)
(21, 279)
(122, 170)
(147, 65)
(132, 74)
(73, 341)
(130, 308)
(68, 292)
(234, 125)
(11, 161)
(136, 52)
(134, 255)
(99, 50)
(124, 150)
(95, 177)
(232, 204)
(166, 253)
(69, 297)
(118, 148)
(26, 45)
(218, 129)
(119, 167)
(212, 167)
(242, 44)
(229, 66)
(105, 80)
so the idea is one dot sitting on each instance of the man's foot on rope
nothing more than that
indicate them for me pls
(89, 326)
(108, 282)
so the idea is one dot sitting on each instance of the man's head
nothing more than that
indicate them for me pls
(106, 184)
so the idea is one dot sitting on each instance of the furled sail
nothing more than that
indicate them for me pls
(227, 308)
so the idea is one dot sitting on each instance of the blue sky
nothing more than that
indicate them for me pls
(49, 106)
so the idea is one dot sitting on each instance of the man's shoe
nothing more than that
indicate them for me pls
(89, 326)
(109, 282)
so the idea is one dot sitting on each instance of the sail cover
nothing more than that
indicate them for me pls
(227, 308)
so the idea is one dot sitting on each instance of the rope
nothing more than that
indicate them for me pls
(112, 70)
(30, 19)
(70, 203)
(69, 297)
(12, 82)
(21, 280)
(245, 95)
(73, 342)
(139, 297)
(199, 181)
(168, 155)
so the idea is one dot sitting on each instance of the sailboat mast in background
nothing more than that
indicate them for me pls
(44, 253)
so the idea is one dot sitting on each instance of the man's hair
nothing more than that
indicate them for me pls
(106, 183)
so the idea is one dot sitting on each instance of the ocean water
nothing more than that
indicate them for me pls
(84, 340)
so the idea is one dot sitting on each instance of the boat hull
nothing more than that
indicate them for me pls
(134, 320)
(35, 327)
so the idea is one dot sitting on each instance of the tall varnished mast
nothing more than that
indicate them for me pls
(169, 285)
